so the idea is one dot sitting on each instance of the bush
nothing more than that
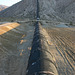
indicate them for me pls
(12, 21)
(71, 23)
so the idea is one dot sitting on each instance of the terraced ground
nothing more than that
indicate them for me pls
(64, 52)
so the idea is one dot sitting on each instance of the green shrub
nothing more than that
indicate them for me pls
(12, 21)
(71, 23)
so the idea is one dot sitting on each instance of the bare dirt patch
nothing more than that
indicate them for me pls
(15, 41)
(64, 41)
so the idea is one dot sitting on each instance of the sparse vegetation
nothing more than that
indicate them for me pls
(64, 40)
(12, 20)
(71, 23)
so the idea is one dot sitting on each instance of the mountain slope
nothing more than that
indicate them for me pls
(47, 10)
(2, 7)
(55, 10)
(66, 9)
(58, 10)
(25, 8)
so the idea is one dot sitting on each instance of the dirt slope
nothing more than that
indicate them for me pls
(15, 45)
(64, 51)
(55, 10)
(25, 8)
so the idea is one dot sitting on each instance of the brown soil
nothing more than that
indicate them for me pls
(64, 52)
(15, 45)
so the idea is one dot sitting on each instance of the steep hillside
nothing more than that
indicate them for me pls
(2, 7)
(47, 10)
(55, 10)
(66, 9)
(25, 8)
(58, 10)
